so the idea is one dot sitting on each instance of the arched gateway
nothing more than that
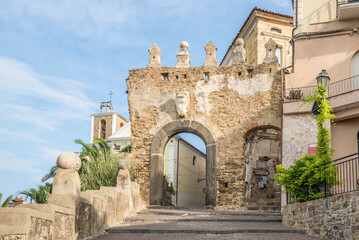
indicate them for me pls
(220, 104)
(156, 161)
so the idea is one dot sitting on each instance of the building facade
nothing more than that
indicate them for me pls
(325, 37)
(260, 26)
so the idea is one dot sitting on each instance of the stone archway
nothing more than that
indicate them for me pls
(156, 159)
(262, 153)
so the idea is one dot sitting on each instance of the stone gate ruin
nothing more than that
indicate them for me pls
(221, 104)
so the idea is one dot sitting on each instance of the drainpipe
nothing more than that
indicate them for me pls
(295, 28)
(177, 172)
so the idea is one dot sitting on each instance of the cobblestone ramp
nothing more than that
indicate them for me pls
(203, 224)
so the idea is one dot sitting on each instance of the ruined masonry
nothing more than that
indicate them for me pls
(224, 105)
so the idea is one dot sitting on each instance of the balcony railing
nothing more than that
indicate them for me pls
(334, 89)
(343, 177)
(341, 2)
(347, 9)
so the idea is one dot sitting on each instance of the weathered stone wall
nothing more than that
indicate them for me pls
(228, 101)
(299, 130)
(336, 217)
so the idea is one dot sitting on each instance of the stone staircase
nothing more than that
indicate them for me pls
(264, 204)
(171, 223)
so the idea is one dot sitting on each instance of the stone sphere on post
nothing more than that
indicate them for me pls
(69, 160)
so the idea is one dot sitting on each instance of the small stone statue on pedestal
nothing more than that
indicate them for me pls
(239, 52)
(211, 51)
(271, 47)
(155, 56)
(183, 58)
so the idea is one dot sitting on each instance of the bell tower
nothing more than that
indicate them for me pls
(106, 123)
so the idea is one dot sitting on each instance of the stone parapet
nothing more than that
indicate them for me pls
(335, 217)
(71, 214)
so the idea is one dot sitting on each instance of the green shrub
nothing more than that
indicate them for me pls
(99, 168)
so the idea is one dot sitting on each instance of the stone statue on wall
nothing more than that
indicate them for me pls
(182, 101)
(239, 52)
(123, 177)
(183, 58)
(211, 51)
(271, 47)
(155, 56)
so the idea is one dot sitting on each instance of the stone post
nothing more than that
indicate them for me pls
(66, 184)
(183, 58)
(211, 51)
(271, 47)
(123, 177)
(155, 56)
(239, 52)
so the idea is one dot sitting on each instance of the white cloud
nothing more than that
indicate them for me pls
(48, 153)
(83, 18)
(5, 135)
(11, 162)
(56, 99)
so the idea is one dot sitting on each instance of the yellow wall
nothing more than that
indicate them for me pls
(191, 179)
(313, 12)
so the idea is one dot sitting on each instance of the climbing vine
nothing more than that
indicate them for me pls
(306, 179)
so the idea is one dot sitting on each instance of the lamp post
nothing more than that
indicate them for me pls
(323, 83)
(323, 80)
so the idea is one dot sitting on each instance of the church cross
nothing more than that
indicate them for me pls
(111, 93)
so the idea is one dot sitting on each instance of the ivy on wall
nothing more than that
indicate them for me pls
(306, 179)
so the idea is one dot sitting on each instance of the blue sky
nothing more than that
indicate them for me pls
(59, 59)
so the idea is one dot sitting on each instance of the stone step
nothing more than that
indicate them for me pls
(175, 212)
(203, 228)
(166, 218)
(192, 236)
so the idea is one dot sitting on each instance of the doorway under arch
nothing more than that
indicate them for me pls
(158, 144)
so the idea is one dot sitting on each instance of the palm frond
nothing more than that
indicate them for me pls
(6, 202)
(51, 174)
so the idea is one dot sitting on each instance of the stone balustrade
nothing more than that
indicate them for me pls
(70, 214)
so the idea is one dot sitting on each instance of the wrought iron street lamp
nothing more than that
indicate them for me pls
(323, 80)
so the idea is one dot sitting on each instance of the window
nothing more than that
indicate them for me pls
(358, 140)
(121, 125)
(355, 71)
(103, 129)
(194, 161)
(276, 30)
(278, 53)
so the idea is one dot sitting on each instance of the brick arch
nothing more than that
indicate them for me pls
(158, 145)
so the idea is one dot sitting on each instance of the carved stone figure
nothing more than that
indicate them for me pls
(271, 47)
(155, 56)
(123, 177)
(211, 51)
(183, 58)
(239, 52)
(182, 101)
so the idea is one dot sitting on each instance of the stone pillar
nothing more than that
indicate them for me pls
(211, 51)
(239, 52)
(183, 58)
(66, 185)
(271, 47)
(123, 177)
(155, 56)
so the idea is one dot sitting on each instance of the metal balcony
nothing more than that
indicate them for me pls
(348, 9)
